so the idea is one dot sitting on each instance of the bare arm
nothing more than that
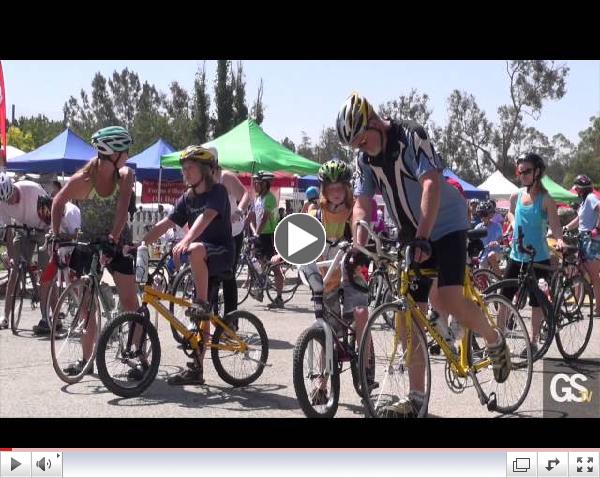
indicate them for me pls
(122, 213)
(76, 188)
(553, 219)
(513, 206)
(360, 212)
(430, 203)
(158, 230)
(240, 193)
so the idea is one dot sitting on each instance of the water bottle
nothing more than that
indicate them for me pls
(256, 264)
(543, 285)
(440, 326)
(141, 264)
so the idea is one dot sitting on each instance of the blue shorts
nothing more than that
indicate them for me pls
(590, 248)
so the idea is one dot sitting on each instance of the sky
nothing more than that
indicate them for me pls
(304, 95)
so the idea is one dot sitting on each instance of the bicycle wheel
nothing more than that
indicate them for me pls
(483, 278)
(547, 324)
(75, 329)
(183, 287)
(57, 287)
(291, 282)
(128, 355)
(244, 281)
(317, 392)
(576, 318)
(240, 360)
(18, 296)
(386, 360)
(507, 396)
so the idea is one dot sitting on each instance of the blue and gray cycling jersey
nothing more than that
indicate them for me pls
(395, 174)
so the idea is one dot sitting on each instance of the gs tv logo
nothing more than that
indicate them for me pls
(570, 388)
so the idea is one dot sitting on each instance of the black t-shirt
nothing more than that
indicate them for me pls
(190, 205)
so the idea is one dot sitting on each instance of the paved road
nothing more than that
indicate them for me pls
(30, 388)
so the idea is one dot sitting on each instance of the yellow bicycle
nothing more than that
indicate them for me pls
(396, 334)
(129, 348)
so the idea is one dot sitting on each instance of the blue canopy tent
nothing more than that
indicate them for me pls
(64, 154)
(148, 163)
(307, 181)
(470, 191)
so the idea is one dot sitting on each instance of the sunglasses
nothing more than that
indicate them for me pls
(524, 172)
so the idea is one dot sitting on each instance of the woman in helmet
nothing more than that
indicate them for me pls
(531, 210)
(103, 188)
(312, 196)
(334, 211)
(588, 220)
(206, 210)
(265, 213)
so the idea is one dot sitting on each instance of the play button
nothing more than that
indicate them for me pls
(300, 239)
(14, 464)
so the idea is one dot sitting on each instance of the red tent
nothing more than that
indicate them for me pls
(282, 180)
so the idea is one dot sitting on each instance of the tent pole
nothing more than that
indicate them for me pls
(159, 182)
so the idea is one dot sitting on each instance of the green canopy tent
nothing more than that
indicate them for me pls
(247, 148)
(557, 192)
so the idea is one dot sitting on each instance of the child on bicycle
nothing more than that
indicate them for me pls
(205, 208)
(334, 211)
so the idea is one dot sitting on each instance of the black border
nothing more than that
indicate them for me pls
(300, 433)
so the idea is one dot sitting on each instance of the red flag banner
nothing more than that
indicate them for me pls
(3, 148)
(170, 191)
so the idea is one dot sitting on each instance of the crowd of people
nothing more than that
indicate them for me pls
(396, 159)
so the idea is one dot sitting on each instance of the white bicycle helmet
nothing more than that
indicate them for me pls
(6, 186)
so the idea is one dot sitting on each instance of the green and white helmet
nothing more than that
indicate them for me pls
(113, 139)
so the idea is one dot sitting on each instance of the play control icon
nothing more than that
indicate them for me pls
(300, 239)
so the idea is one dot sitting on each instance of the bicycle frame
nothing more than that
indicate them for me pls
(154, 297)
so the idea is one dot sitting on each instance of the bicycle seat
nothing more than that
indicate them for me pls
(474, 234)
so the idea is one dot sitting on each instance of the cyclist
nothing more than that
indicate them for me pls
(334, 211)
(398, 159)
(531, 210)
(265, 210)
(18, 202)
(205, 208)
(102, 188)
(588, 219)
(492, 248)
(312, 197)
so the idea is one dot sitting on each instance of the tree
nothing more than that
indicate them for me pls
(563, 154)
(289, 144)
(258, 108)
(414, 106)
(587, 157)
(305, 148)
(329, 147)
(20, 139)
(223, 121)
(151, 120)
(466, 137)
(240, 110)
(79, 117)
(531, 83)
(126, 89)
(41, 128)
(102, 104)
(177, 106)
(200, 108)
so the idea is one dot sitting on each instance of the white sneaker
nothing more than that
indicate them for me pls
(3, 323)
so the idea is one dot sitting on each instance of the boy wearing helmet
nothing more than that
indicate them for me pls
(265, 211)
(205, 208)
(588, 220)
(398, 159)
(312, 196)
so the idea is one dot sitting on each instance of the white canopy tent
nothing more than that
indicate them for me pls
(498, 186)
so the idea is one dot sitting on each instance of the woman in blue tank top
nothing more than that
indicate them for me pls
(532, 210)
